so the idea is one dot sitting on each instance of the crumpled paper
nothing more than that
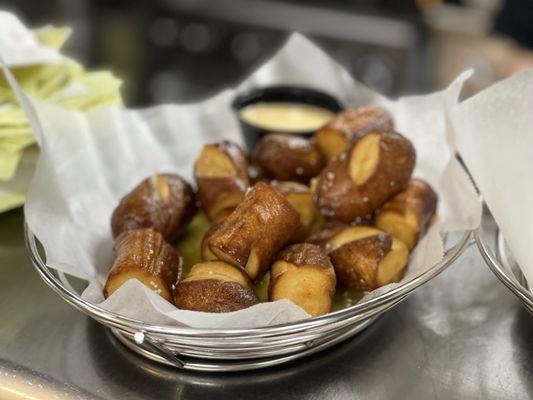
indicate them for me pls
(43, 72)
(20, 47)
(89, 160)
(494, 134)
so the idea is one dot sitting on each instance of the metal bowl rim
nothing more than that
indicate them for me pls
(495, 265)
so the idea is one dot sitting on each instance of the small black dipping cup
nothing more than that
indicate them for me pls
(278, 94)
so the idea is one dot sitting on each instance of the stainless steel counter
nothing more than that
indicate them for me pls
(462, 336)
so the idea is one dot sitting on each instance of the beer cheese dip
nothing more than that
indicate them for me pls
(286, 117)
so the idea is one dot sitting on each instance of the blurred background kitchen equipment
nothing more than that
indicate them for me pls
(184, 50)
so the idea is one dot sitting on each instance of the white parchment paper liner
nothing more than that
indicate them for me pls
(19, 45)
(494, 133)
(90, 160)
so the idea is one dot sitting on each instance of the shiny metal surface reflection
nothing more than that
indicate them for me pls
(17, 382)
(461, 336)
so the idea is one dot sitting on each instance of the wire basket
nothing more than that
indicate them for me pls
(496, 253)
(240, 349)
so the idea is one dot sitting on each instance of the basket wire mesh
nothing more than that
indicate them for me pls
(239, 349)
(494, 250)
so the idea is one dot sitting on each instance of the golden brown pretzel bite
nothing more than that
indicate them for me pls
(338, 135)
(164, 202)
(366, 258)
(256, 174)
(256, 230)
(322, 237)
(288, 157)
(206, 253)
(215, 286)
(407, 215)
(303, 274)
(301, 199)
(221, 172)
(145, 255)
(377, 167)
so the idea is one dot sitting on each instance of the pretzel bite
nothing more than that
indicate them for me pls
(367, 258)
(287, 157)
(301, 199)
(303, 274)
(221, 172)
(216, 287)
(407, 215)
(256, 174)
(322, 237)
(143, 254)
(255, 231)
(164, 202)
(338, 135)
(206, 253)
(377, 167)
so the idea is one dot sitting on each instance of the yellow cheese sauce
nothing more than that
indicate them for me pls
(287, 117)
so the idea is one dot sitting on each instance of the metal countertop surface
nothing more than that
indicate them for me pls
(461, 336)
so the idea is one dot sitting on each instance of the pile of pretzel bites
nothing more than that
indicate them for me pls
(338, 210)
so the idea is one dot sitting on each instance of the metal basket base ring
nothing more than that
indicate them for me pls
(160, 355)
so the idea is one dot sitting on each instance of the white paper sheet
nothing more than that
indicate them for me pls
(19, 45)
(494, 133)
(90, 160)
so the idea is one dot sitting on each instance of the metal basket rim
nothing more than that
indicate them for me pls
(118, 321)
(240, 365)
(492, 259)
